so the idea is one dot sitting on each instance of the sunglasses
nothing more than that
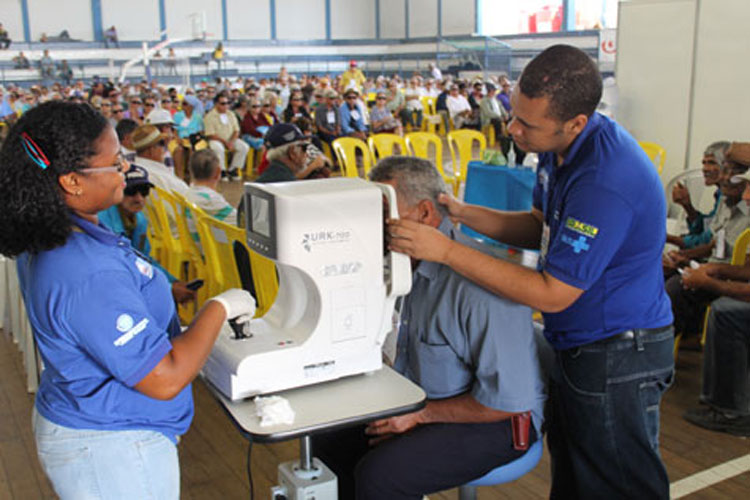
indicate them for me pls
(255, 106)
(381, 99)
(149, 105)
(117, 111)
(135, 103)
(223, 103)
(143, 189)
(106, 104)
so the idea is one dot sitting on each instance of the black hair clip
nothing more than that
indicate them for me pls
(35, 152)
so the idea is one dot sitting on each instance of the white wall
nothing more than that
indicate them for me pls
(458, 17)
(13, 20)
(53, 17)
(179, 23)
(392, 21)
(248, 19)
(653, 69)
(352, 19)
(679, 97)
(423, 18)
(134, 19)
(300, 19)
(721, 104)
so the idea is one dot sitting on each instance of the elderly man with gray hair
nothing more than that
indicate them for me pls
(471, 351)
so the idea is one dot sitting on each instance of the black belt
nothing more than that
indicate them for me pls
(630, 334)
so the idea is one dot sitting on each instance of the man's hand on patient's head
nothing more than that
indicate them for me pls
(420, 241)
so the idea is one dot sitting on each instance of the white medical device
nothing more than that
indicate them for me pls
(337, 287)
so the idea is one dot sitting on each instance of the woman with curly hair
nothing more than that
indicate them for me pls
(115, 393)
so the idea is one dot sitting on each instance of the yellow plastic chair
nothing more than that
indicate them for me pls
(432, 121)
(217, 239)
(219, 254)
(154, 231)
(382, 145)
(657, 154)
(419, 144)
(739, 256)
(345, 149)
(174, 257)
(188, 231)
(461, 144)
(194, 267)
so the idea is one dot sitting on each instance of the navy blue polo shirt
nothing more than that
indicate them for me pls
(604, 210)
(103, 318)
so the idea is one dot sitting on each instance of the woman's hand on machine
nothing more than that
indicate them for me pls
(238, 304)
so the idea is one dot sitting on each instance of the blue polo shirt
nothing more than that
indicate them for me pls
(103, 318)
(604, 210)
(456, 337)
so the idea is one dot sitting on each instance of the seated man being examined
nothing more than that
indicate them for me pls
(472, 352)
(726, 372)
(205, 169)
(223, 133)
(731, 219)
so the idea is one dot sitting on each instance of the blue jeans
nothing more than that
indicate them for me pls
(726, 357)
(112, 465)
(603, 417)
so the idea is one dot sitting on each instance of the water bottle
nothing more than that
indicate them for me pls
(511, 157)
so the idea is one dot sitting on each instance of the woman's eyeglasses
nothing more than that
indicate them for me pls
(120, 167)
(143, 189)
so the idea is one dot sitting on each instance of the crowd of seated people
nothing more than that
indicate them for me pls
(233, 116)
(707, 276)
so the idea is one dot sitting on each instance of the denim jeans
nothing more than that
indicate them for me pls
(603, 417)
(726, 359)
(111, 465)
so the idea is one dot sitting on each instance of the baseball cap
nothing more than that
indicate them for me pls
(352, 63)
(160, 117)
(136, 176)
(282, 134)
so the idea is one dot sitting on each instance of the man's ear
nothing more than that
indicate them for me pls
(576, 124)
(427, 213)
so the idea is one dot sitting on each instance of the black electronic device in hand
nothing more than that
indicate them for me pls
(194, 285)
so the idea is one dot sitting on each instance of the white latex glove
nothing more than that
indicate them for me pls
(238, 304)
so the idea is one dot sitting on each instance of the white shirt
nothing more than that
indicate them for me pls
(457, 104)
(162, 176)
(213, 203)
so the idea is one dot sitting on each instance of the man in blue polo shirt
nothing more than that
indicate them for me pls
(596, 221)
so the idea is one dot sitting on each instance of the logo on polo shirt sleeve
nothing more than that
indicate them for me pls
(144, 268)
(581, 227)
(130, 329)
